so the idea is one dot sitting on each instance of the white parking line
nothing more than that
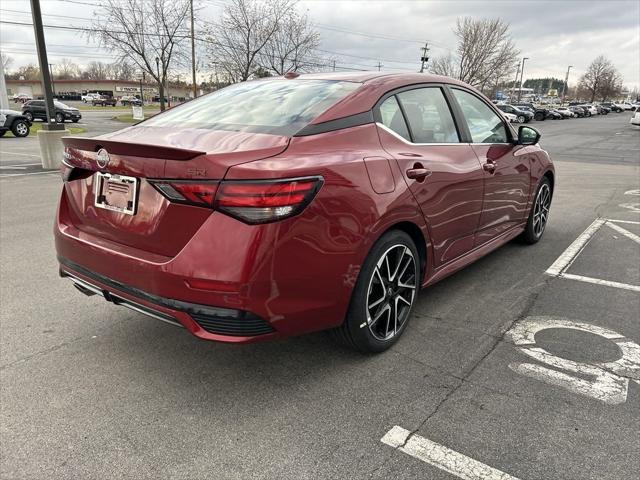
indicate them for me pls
(599, 281)
(2, 152)
(624, 231)
(442, 457)
(566, 258)
(19, 166)
(7, 175)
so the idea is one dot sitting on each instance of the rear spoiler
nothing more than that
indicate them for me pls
(132, 149)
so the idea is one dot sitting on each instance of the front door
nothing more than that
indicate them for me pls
(416, 128)
(506, 168)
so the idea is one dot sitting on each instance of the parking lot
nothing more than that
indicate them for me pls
(524, 365)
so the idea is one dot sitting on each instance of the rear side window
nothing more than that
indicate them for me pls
(279, 107)
(392, 117)
(484, 124)
(429, 117)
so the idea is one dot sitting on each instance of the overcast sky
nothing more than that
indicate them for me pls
(359, 34)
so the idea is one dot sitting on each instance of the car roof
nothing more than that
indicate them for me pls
(374, 85)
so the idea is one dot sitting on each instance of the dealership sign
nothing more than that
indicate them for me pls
(136, 89)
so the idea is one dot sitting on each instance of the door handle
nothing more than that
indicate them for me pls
(418, 172)
(489, 167)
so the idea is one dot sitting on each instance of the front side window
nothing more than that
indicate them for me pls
(392, 117)
(484, 124)
(279, 107)
(429, 117)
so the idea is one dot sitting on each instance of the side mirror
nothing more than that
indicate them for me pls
(528, 136)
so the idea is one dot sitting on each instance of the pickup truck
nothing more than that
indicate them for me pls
(104, 101)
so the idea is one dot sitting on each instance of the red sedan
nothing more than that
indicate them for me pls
(284, 206)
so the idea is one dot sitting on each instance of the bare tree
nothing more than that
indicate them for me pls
(238, 41)
(485, 56)
(97, 71)
(292, 46)
(124, 70)
(6, 61)
(26, 72)
(149, 34)
(601, 79)
(66, 69)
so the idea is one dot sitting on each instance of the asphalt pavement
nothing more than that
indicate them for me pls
(524, 365)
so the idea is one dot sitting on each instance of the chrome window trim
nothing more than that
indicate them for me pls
(400, 137)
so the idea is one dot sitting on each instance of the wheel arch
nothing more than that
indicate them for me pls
(419, 239)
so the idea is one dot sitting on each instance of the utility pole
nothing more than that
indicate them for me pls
(515, 82)
(53, 85)
(193, 56)
(4, 99)
(521, 77)
(424, 59)
(45, 76)
(334, 65)
(565, 87)
(379, 65)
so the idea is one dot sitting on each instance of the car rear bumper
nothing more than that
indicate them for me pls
(269, 273)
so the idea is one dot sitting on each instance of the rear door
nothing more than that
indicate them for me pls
(506, 168)
(416, 127)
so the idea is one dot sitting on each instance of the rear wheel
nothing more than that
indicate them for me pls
(539, 214)
(20, 128)
(521, 119)
(2, 132)
(59, 118)
(384, 295)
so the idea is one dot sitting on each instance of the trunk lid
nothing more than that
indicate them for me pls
(158, 225)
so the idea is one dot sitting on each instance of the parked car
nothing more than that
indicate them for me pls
(130, 100)
(510, 117)
(539, 114)
(104, 101)
(88, 98)
(635, 120)
(613, 106)
(21, 98)
(626, 105)
(602, 110)
(522, 116)
(553, 114)
(578, 111)
(592, 110)
(346, 243)
(14, 122)
(35, 110)
(565, 112)
(635, 106)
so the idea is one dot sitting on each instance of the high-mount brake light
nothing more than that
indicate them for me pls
(200, 194)
(266, 201)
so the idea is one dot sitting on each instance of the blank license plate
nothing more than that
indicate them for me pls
(116, 192)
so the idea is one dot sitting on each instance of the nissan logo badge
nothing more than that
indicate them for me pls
(102, 158)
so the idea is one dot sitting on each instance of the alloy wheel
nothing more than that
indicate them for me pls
(22, 129)
(392, 290)
(541, 210)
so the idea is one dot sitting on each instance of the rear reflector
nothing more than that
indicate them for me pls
(266, 201)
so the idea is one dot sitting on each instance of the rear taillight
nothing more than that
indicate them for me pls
(266, 201)
(254, 201)
(200, 194)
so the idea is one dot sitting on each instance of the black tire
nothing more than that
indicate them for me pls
(20, 128)
(29, 116)
(362, 330)
(59, 118)
(75, 120)
(521, 119)
(532, 232)
(539, 116)
(2, 132)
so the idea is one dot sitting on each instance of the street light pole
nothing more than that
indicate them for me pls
(193, 55)
(521, 77)
(565, 87)
(45, 77)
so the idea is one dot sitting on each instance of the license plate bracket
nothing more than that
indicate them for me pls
(117, 193)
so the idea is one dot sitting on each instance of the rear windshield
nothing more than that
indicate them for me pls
(279, 107)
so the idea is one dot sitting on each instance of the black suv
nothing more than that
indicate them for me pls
(35, 109)
(524, 116)
(612, 107)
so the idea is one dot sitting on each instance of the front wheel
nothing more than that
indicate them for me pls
(383, 296)
(539, 214)
(29, 116)
(59, 118)
(521, 119)
(20, 128)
